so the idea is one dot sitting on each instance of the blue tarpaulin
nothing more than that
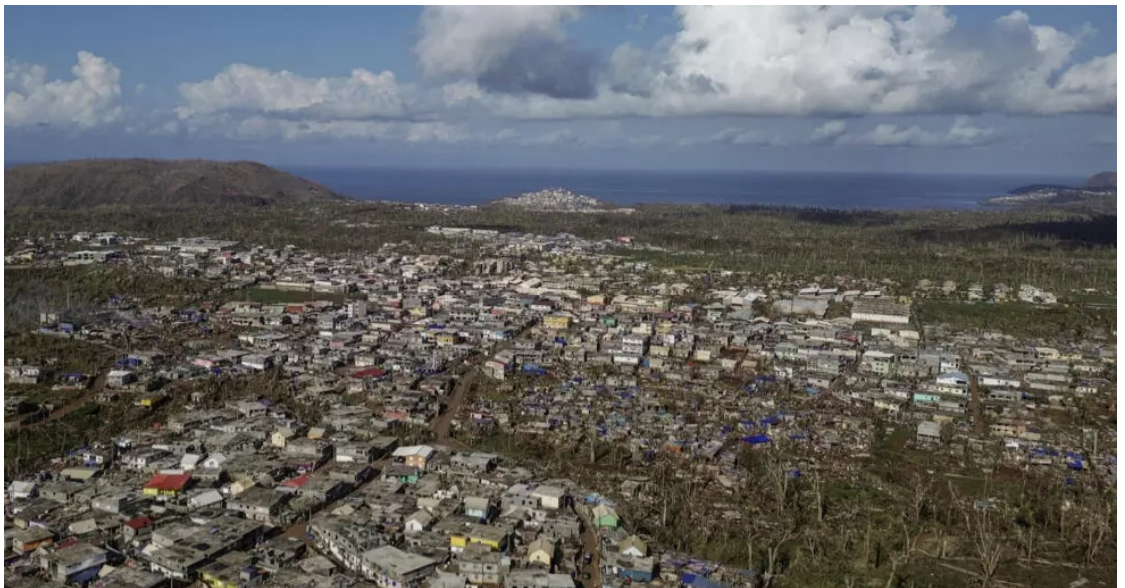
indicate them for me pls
(697, 581)
(756, 439)
(86, 575)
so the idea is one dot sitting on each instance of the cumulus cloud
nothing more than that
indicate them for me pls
(255, 90)
(961, 134)
(507, 49)
(858, 60)
(816, 61)
(89, 100)
(263, 128)
(829, 132)
(735, 136)
(253, 103)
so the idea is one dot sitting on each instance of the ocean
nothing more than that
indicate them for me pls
(802, 189)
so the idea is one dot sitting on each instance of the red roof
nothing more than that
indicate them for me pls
(295, 309)
(68, 542)
(370, 373)
(168, 482)
(297, 482)
(139, 522)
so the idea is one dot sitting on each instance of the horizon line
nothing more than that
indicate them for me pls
(577, 169)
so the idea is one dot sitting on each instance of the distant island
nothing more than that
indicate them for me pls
(1099, 192)
(557, 200)
(148, 182)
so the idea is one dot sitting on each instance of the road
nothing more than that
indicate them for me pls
(591, 546)
(78, 402)
(441, 424)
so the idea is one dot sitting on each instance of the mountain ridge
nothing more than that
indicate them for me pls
(86, 183)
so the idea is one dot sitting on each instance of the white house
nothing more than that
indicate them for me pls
(551, 497)
(953, 383)
(418, 522)
(880, 311)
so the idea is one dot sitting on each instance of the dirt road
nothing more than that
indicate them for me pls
(590, 545)
(76, 403)
(441, 424)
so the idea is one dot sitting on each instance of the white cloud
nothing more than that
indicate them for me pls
(829, 132)
(827, 61)
(89, 100)
(961, 134)
(506, 49)
(255, 90)
(735, 136)
(264, 128)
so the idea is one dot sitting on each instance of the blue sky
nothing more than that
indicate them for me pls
(964, 89)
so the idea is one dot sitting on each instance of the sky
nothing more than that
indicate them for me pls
(929, 89)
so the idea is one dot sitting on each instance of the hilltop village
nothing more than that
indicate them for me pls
(514, 413)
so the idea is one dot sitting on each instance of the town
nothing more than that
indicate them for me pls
(532, 411)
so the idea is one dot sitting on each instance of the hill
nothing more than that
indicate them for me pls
(1102, 181)
(156, 183)
(556, 200)
(1096, 195)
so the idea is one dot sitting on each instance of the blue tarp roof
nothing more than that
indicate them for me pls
(756, 439)
(697, 581)
(86, 575)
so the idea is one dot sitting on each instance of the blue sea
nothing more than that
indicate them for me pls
(804, 189)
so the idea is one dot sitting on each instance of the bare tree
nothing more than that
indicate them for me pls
(987, 540)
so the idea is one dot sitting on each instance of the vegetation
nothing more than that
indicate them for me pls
(1019, 319)
(904, 517)
(267, 296)
(1054, 250)
(81, 290)
(146, 182)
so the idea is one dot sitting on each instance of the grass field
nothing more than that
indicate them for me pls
(267, 296)
(1016, 318)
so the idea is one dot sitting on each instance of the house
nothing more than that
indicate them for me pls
(495, 538)
(633, 546)
(31, 538)
(418, 522)
(77, 563)
(605, 517)
(390, 567)
(634, 569)
(538, 579)
(477, 507)
(19, 490)
(541, 552)
(929, 432)
(552, 497)
(404, 474)
(120, 379)
(357, 452)
(473, 462)
(250, 409)
(880, 311)
(556, 321)
(167, 484)
(483, 567)
(417, 456)
(258, 504)
(206, 498)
